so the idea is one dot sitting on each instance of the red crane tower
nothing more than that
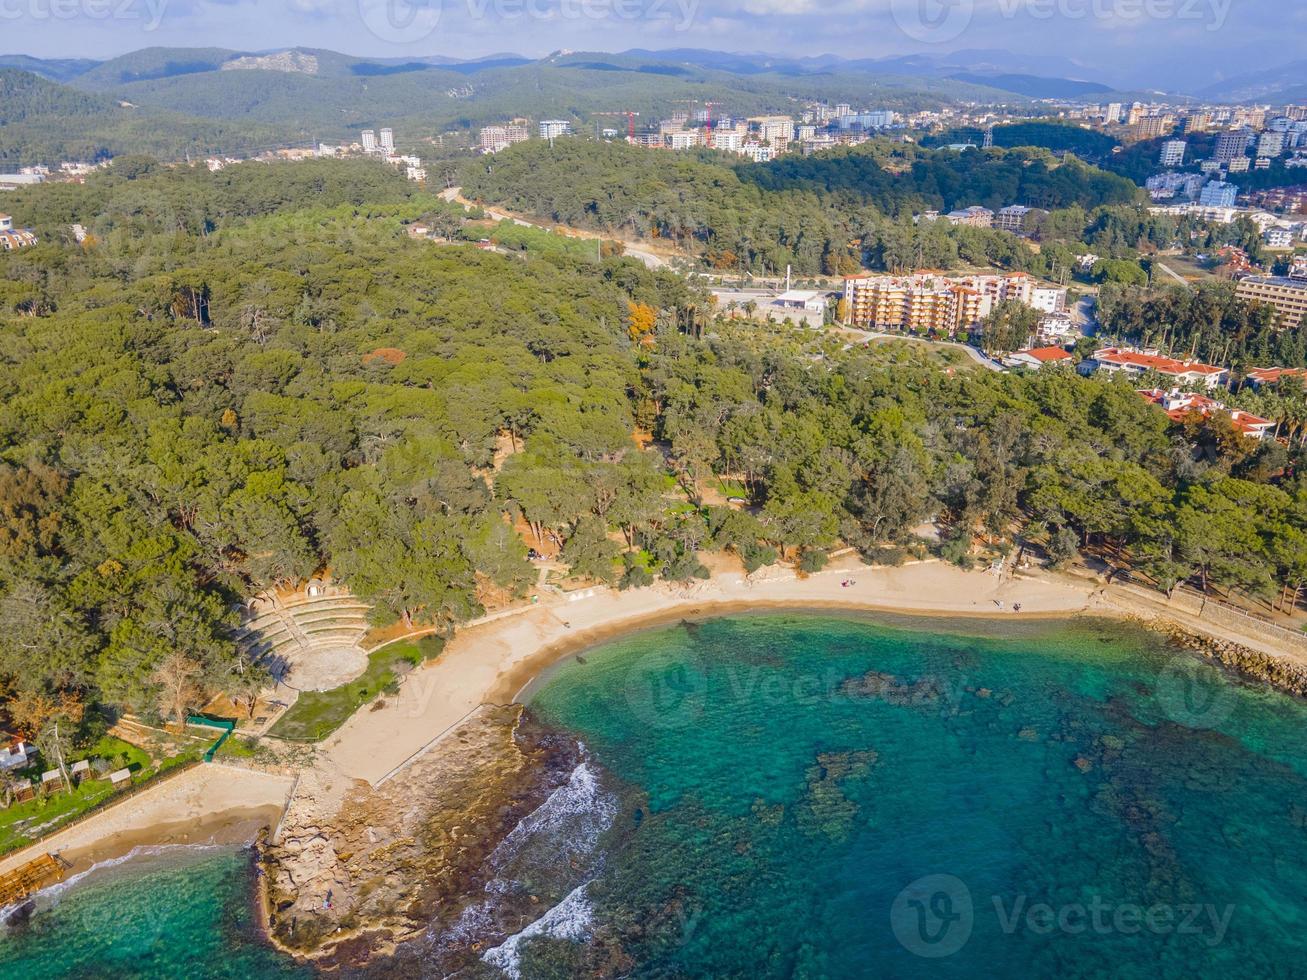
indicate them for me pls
(708, 107)
(630, 121)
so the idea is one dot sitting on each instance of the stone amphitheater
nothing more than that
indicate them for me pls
(309, 640)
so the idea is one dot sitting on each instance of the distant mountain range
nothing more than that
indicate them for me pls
(1287, 83)
(999, 71)
(1032, 76)
(179, 102)
(176, 102)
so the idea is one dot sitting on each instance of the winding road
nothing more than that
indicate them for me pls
(651, 259)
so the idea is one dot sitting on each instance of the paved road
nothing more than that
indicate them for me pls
(650, 259)
(1173, 274)
(867, 335)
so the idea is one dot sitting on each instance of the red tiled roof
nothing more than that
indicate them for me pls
(1270, 376)
(1184, 404)
(1154, 362)
(1047, 354)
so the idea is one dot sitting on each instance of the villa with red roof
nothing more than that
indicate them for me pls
(13, 238)
(1181, 404)
(1135, 363)
(1260, 377)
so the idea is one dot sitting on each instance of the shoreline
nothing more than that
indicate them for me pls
(528, 676)
(213, 803)
(502, 661)
(499, 661)
(492, 662)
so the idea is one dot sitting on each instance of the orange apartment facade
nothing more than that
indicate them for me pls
(927, 302)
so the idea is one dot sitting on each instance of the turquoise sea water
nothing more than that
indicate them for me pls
(807, 796)
(175, 912)
(1047, 800)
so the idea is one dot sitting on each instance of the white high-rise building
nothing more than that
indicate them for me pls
(1173, 153)
(553, 128)
(1113, 113)
(369, 141)
(388, 141)
(1271, 144)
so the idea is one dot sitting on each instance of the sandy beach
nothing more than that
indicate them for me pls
(209, 803)
(493, 662)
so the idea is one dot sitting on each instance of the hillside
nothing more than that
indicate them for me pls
(312, 94)
(42, 122)
(831, 213)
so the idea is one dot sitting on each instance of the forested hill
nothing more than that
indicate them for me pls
(256, 101)
(196, 406)
(42, 122)
(899, 178)
(829, 213)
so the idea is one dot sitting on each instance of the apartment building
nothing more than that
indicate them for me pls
(730, 140)
(974, 217)
(933, 302)
(1271, 144)
(1011, 218)
(1231, 144)
(1287, 295)
(554, 128)
(1173, 153)
(1218, 194)
(496, 138)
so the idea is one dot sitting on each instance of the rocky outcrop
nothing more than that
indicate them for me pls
(300, 62)
(357, 869)
(1279, 672)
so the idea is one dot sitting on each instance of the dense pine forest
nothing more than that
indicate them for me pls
(240, 379)
(837, 211)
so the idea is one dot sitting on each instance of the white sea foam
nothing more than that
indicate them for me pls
(570, 919)
(573, 817)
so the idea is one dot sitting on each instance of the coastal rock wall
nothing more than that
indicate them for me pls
(1281, 673)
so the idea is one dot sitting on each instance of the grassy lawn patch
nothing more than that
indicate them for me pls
(22, 823)
(732, 488)
(316, 714)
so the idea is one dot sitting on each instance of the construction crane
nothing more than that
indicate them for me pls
(708, 108)
(630, 121)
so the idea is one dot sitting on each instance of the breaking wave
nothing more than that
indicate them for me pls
(570, 919)
(571, 820)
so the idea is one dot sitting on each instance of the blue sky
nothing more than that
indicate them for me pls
(1176, 43)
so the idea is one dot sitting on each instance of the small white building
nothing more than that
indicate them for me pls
(1280, 238)
(809, 300)
(16, 755)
